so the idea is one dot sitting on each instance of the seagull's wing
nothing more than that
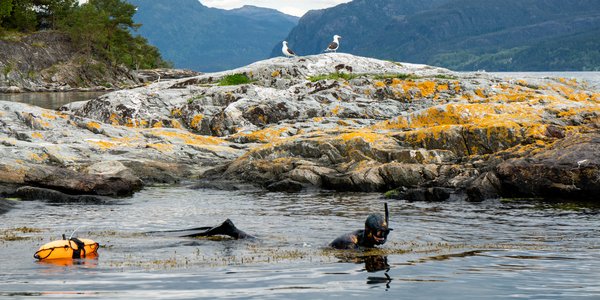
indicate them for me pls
(332, 46)
(291, 51)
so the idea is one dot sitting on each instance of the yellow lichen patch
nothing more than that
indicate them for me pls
(536, 131)
(421, 136)
(93, 125)
(379, 84)
(480, 93)
(579, 97)
(196, 121)
(175, 124)
(427, 88)
(161, 147)
(442, 87)
(37, 135)
(275, 73)
(176, 112)
(114, 119)
(396, 81)
(157, 124)
(457, 87)
(367, 92)
(48, 116)
(38, 158)
(336, 110)
(103, 144)
(186, 137)
(266, 135)
(408, 85)
(62, 115)
(561, 89)
(343, 123)
(366, 135)
(318, 119)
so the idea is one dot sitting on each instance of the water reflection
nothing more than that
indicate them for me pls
(52, 100)
(90, 262)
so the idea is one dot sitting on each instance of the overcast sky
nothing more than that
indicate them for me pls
(292, 7)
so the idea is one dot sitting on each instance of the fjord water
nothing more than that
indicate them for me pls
(50, 100)
(523, 249)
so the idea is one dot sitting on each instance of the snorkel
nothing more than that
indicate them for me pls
(376, 227)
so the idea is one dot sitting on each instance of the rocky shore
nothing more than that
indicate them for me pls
(331, 121)
(46, 61)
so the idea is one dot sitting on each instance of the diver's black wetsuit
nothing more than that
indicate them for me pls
(375, 233)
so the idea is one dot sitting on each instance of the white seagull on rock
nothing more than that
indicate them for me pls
(287, 51)
(334, 45)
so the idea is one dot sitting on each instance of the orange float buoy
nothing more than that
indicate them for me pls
(71, 248)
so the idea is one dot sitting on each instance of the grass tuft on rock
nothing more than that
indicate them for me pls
(334, 76)
(234, 79)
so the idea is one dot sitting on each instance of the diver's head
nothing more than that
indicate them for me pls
(376, 229)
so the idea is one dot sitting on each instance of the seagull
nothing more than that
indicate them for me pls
(334, 45)
(287, 51)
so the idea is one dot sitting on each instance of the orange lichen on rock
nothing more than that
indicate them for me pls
(37, 135)
(266, 135)
(365, 135)
(38, 158)
(114, 119)
(336, 110)
(196, 121)
(175, 124)
(427, 88)
(162, 147)
(103, 144)
(49, 116)
(93, 125)
(186, 137)
(176, 112)
(442, 87)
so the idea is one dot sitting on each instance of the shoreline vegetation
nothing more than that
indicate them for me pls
(98, 28)
(61, 45)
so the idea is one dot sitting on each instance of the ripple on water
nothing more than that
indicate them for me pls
(456, 249)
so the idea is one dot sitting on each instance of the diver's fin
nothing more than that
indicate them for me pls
(226, 228)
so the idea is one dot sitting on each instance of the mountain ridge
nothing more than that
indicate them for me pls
(451, 33)
(206, 39)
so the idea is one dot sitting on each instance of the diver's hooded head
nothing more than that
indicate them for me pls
(376, 229)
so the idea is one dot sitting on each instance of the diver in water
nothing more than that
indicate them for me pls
(375, 233)
(226, 228)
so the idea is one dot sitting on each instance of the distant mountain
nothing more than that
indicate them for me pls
(508, 35)
(205, 39)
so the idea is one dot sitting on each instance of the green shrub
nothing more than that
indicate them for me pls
(235, 79)
(334, 76)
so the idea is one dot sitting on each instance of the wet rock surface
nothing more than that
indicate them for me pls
(331, 121)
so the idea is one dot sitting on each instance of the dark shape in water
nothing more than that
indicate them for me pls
(226, 228)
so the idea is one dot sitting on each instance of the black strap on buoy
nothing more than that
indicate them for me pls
(387, 214)
(80, 251)
(36, 255)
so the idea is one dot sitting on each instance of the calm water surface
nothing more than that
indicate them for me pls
(451, 250)
(50, 100)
